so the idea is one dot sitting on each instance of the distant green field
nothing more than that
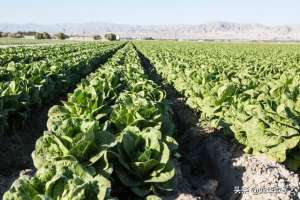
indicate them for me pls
(22, 41)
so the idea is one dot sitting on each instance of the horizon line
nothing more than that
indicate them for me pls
(170, 24)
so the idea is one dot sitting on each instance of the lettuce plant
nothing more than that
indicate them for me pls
(65, 179)
(145, 161)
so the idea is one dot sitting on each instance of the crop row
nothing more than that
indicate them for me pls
(25, 86)
(250, 92)
(27, 55)
(115, 130)
(15, 70)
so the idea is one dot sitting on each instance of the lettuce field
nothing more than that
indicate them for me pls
(118, 116)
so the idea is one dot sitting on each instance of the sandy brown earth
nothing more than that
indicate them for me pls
(212, 167)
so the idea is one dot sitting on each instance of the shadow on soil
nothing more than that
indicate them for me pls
(205, 169)
(16, 148)
(17, 145)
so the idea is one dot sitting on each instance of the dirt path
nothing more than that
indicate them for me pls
(214, 167)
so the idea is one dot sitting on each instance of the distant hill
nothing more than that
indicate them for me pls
(215, 30)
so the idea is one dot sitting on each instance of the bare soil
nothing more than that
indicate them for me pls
(214, 167)
(16, 148)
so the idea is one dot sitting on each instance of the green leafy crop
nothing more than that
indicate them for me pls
(116, 123)
(250, 91)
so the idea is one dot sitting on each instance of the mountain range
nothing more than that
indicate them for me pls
(214, 30)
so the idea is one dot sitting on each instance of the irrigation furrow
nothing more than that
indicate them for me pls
(211, 166)
(16, 149)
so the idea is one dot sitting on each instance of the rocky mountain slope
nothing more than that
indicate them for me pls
(215, 30)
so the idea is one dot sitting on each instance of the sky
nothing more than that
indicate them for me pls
(150, 12)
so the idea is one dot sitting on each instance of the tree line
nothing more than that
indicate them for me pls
(45, 35)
